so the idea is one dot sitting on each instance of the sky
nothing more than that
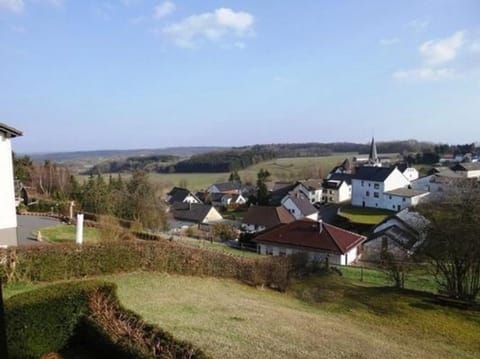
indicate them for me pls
(127, 74)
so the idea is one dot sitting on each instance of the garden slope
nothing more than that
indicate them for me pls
(320, 318)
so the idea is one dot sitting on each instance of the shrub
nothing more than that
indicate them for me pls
(67, 261)
(53, 318)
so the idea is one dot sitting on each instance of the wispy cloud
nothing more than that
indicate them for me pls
(163, 9)
(16, 6)
(435, 55)
(425, 73)
(439, 51)
(417, 25)
(389, 42)
(210, 26)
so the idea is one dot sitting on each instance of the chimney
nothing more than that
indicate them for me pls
(320, 226)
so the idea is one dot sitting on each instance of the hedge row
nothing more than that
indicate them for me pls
(53, 318)
(63, 262)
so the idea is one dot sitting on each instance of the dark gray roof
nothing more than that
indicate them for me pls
(178, 194)
(472, 166)
(376, 174)
(303, 204)
(228, 186)
(9, 131)
(405, 192)
(194, 212)
(347, 177)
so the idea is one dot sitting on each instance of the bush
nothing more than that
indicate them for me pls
(53, 318)
(67, 261)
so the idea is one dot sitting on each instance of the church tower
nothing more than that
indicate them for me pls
(373, 159)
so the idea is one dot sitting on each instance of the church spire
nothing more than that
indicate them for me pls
(373, 156)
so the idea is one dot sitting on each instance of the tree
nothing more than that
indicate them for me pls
(262, 190)
(452, 242)
(234, 177)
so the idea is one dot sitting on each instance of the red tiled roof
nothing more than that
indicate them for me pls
(305, 233)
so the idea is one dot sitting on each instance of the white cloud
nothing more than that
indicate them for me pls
(15, 6)
(475, 46)
(425, 73)
(163, 9)
(436, 52)
(389, 42)
(417, 25)
(211, 26)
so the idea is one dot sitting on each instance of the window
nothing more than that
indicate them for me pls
(369, 185)
(376, 195)
(403, 200)
(282, 252)
(390, 197)
(367, 194)
(269, 251)
(376, 186)
(363, 183)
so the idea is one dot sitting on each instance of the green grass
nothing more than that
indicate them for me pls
(215, 246)
(318, 317)
(65, 233)
(364, 215)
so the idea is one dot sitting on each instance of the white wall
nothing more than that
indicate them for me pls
(411, 173)
(190, 199)
(212, 216)
(8, 217)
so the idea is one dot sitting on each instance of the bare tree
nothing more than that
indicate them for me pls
(452, 242)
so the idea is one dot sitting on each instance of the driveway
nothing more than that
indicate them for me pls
(27, 225)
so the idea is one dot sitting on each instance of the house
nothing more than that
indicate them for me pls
(178, 194)
(8, 215)
(278, 190)
(299, 206)
(259, 218)
(467, 170)
(337, 188)
(233, 187)
(438, 181)
(320, 240)
(311, 188)
(379, 187)
(195, 213)
(344, 168)
(399, 234)
(410, 173)
(233, 199)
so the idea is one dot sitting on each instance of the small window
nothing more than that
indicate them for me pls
(369, 185)
(363, 183)
(376, 195)
(390, 197)
(367, 194)
(403, 200)
(376, 186)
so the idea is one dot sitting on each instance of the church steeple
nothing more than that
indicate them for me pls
(373, 156)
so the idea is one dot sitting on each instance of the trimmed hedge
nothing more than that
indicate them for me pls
(53, 318)
(63, 262)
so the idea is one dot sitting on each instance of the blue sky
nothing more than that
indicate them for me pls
(93, 74)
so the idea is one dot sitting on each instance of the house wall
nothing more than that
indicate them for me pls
(411, 173)
(190, 199)
(314, 256)
(293, 209)
(8, 216)
(344, 193)
(212, 216)
(372, 249)
(471, 174)
(371, 193)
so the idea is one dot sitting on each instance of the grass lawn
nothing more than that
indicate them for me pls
(215, 246)
(319, 317)
(65, 233)
(364, 215)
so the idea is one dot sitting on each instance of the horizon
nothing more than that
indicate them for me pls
(128, 74)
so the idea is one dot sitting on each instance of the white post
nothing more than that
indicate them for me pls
(79, 236)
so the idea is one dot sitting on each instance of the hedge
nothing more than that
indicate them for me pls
(88, 313)
(63, 262)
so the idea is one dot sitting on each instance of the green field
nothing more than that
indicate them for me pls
(65, 233)
(364, 215)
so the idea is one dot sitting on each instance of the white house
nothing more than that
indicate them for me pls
(375, 187)
(8, 216)
(337, 188)
(399, 234)
(311, 188)
(467, 170)
(299, 206)
(233, 199)
(178, 194)
(319, 240)
(196, 213)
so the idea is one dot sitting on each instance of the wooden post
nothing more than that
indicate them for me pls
(3, 329)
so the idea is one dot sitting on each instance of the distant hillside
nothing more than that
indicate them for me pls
(222, 160)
